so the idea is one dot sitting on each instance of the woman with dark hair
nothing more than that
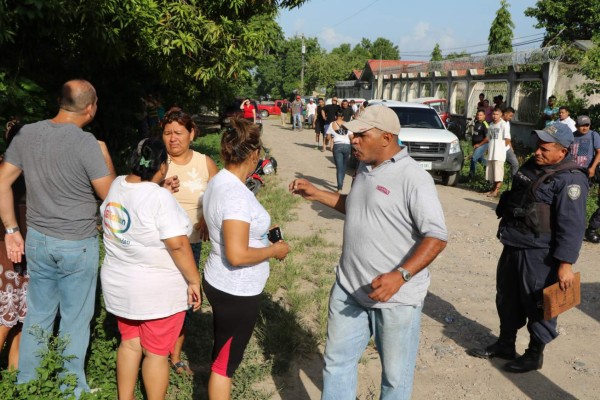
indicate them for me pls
(340, 139)
(149, 277)
(194, 170)
(238, 265)
(249, 110)
(13, 277)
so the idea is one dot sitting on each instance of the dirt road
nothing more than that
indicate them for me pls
(459, 311)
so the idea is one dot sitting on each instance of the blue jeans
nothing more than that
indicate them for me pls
(478, 156)
(297, 121)
(349, 328)
(511, 158)
(62, 275)
(341, 155)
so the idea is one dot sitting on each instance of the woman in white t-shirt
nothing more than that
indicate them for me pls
(149, 278)
(194, 170)
(340, 146)
(238, 265)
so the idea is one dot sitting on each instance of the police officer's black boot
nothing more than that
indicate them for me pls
(591, 235)
(503, 348)
(530, 361)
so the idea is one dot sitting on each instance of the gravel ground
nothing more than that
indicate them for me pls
(459, 311)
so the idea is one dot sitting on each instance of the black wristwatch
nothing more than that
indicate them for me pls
(405, 274)
(12, 230)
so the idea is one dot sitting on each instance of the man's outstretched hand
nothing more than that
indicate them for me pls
(303, 188)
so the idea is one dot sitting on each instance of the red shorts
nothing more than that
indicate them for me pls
(158, 336)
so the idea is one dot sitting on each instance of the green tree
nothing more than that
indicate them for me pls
(501, 34)
(278, 74)
(361, 53)
(364, 48)
(566, 20)
(589, 66)
(352, 58)
(380, 48)
(193, 52)
(436, 54)
(454, 55)
(384, 49)
(324, 70)
(343, 49)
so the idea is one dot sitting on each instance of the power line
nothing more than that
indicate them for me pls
(414, 52)
(514, 45)
(479, 51)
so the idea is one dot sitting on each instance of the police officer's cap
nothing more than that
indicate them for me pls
(556, 133)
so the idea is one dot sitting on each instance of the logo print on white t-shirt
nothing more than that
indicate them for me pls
(116, 221)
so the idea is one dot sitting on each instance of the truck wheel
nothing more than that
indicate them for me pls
(450, 178)
(264, 114)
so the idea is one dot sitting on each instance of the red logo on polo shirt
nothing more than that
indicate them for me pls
(383, 190)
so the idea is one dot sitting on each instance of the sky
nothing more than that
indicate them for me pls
(414, 26)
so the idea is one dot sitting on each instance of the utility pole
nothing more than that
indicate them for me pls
(302, 71)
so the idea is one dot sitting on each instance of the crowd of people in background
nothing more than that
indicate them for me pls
(326, 120)
(491, 138)
(491, 135)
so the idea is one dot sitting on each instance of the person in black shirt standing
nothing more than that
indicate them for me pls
(480, 141)
(319, 123)
(347, 111)
(328, 114)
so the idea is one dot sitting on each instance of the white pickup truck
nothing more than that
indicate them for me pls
(427, 139)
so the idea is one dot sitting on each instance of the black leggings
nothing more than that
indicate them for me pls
(234, 318)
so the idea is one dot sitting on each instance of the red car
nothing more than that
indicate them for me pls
(439, 105)
(266, 108)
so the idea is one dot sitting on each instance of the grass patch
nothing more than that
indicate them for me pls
(209, 145)
(293, 310)
(291, 325)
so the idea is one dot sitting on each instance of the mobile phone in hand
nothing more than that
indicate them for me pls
(275, 235)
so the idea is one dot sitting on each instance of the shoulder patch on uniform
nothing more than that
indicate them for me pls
(574, 191)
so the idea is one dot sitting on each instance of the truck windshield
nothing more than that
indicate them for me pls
(418, 118)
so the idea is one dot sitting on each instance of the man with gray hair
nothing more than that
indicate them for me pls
(63, 167)
(394, 228)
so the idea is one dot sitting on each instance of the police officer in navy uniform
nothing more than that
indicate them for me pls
(542, 227)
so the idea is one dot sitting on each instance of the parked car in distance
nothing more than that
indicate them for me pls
(440, 105)
(428, 141)
(266, 108)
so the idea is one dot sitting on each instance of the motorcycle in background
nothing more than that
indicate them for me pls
(265, 166)
(459, 125)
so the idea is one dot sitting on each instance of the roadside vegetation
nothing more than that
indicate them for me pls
(291, 325)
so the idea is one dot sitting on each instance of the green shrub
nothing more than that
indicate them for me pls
(51, 382)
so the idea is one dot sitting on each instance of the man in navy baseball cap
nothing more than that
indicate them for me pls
(542, 226)
(556, 133)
